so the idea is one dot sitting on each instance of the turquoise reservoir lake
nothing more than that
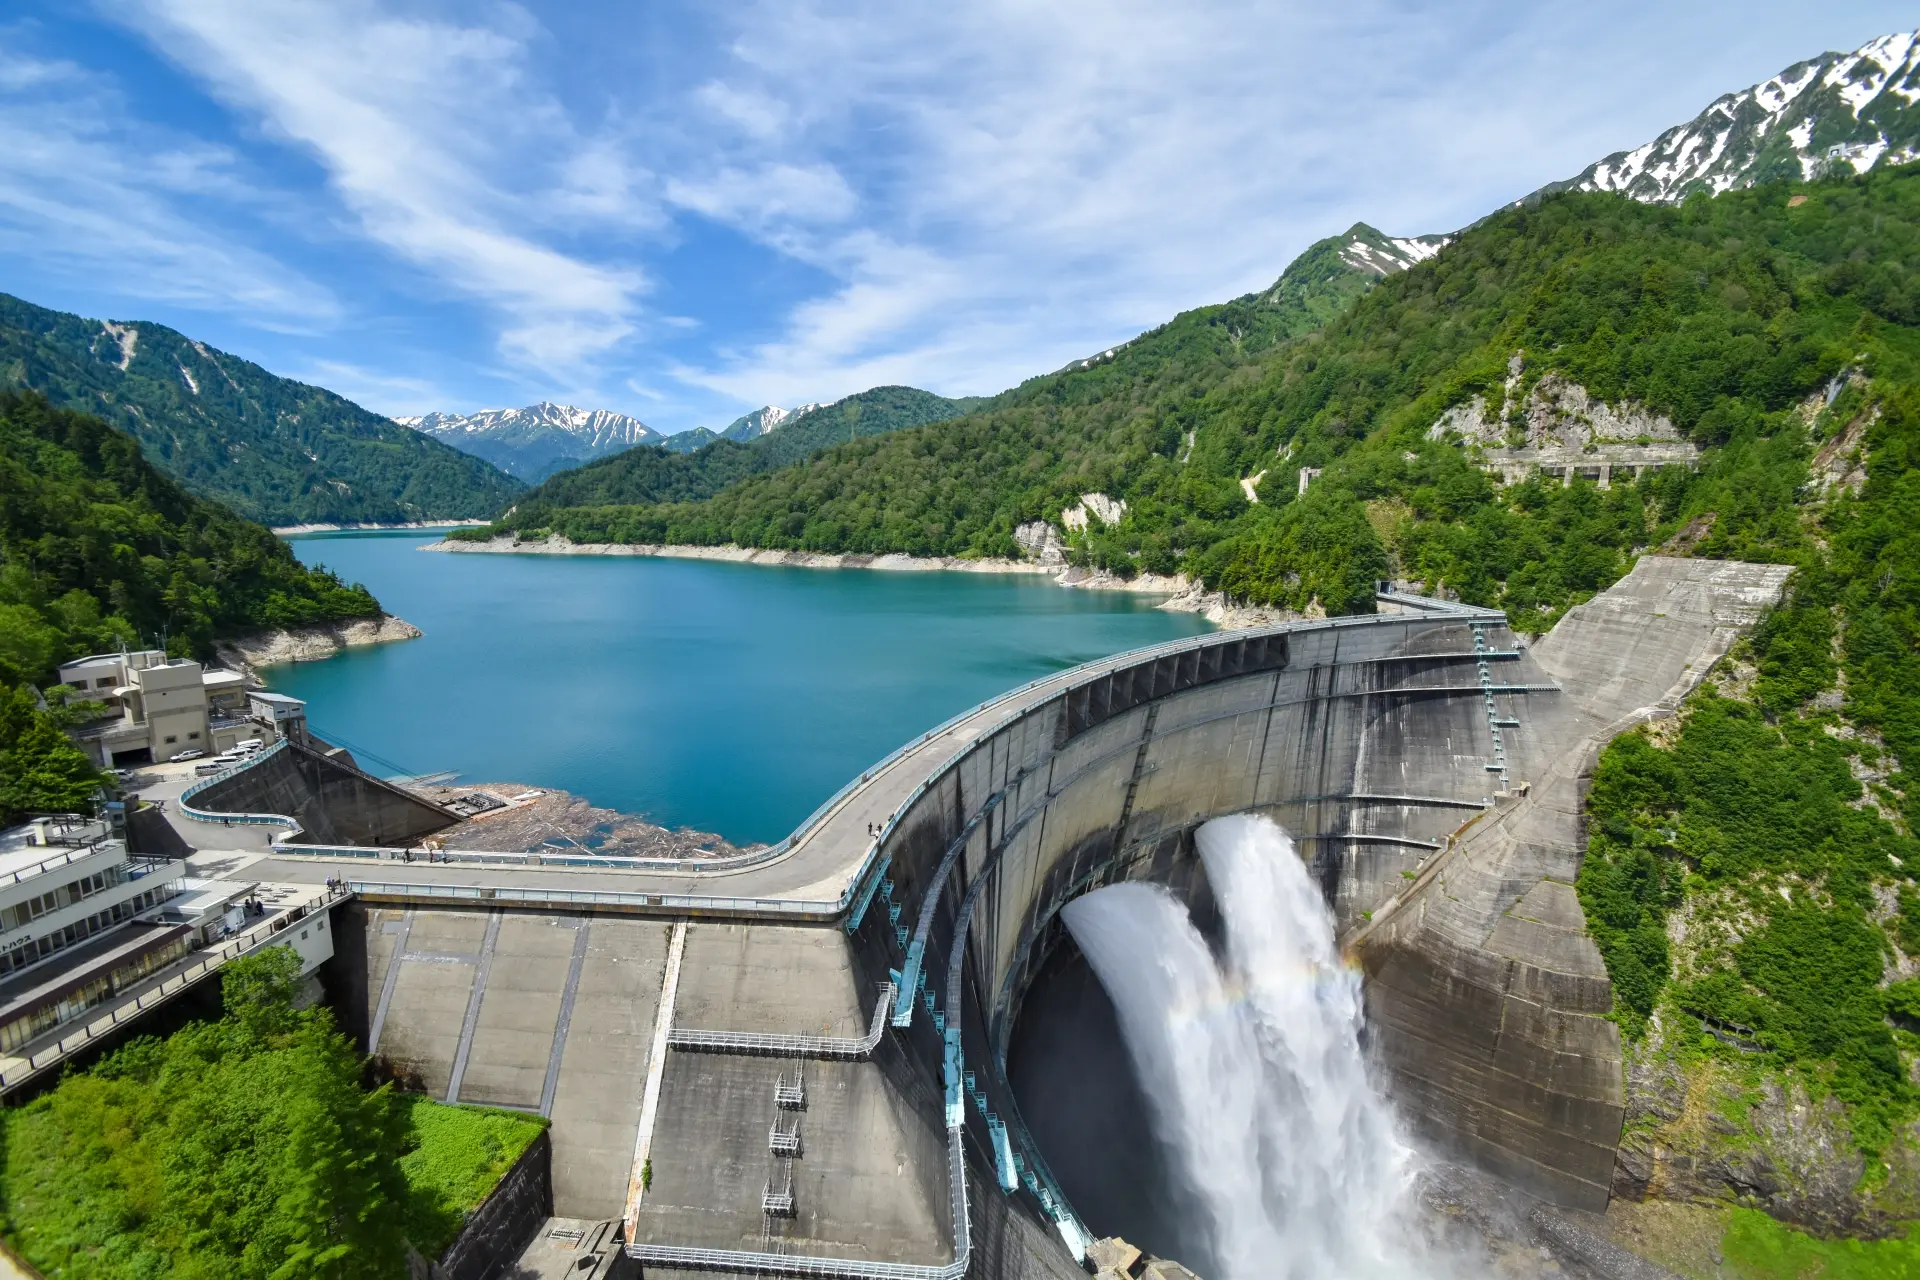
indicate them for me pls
(725, 697)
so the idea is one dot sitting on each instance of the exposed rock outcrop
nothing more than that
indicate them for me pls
(1042, 544)
(1094, 506)
(1557, 413)
(1700, 1133)
(310, 644)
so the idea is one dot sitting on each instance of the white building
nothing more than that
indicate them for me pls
(76, 922)
(159, 707)
(277, 715)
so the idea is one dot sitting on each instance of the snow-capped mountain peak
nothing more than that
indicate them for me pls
(753, 425)
(1377, 254)
(1839, 112)
(534, 442)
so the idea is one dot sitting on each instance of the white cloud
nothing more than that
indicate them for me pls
(1032, 182)
(438, 144)
(90, 194)
(395, 395)
(767, 197)
(973, 193)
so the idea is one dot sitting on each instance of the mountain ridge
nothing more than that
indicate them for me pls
(276, 450)
(656, 473)
(1853, 109)
(532, 443)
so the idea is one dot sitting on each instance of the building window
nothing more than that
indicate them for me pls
(106, 683)
(194, 735)
(171, 739)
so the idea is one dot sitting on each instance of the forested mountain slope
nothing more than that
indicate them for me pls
(656, 473)
(275, 450)
(1721, 315)
(99, 550)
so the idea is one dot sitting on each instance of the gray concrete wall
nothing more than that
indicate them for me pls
(1367, 739)
(1489, 995)
(500, 1228)
(538, 1011)
(870, 1183)
(333, 802)
(1370, 742)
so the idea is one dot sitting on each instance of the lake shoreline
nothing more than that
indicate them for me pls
(288, 530)
(1182, 594)
(313, 643)
(694, 694)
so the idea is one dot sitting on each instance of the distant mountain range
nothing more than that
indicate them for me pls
(275, 450)
(660, 475)
(533, 443)
(758, 423)
(540, 440)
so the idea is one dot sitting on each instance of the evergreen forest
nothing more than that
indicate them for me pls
(1722, 315)
(98, 551)
(243, 1149)
(275, 450)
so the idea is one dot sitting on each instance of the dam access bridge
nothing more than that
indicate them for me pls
(795, 1062)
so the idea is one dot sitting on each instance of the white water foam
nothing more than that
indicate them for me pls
(1252, 1068)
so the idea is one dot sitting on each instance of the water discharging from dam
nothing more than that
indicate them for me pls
(1284, 1162)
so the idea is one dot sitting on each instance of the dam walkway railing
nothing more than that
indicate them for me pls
(764, 1045)
(102, 1022)
(1010, 706)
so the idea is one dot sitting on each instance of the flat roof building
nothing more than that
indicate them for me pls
(72, 930)
(158, 707)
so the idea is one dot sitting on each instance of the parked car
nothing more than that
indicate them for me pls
(209, 767)
(250, 746)
(193, 754)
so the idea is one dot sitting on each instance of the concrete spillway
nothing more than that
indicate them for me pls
(1428, 763)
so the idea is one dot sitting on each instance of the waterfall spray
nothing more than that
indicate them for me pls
(1252, 1068)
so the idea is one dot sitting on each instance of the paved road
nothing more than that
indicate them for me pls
(164, 783)
(820, 865)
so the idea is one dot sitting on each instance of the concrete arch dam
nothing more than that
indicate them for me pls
(820, 1087)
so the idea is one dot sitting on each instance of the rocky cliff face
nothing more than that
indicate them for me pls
(310, 644)
(1697, 1130)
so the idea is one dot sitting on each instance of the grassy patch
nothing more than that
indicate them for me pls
(457, 1156)
(1758, 1248)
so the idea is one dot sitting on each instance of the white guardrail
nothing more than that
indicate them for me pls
(1016, 702)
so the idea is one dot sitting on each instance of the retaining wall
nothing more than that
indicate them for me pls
(499, 1229)
(333, 802)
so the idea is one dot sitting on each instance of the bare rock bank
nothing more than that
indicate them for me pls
(284, 529)
(310, 644)
(1181, 594)
(1708, 1133)
(546, 820)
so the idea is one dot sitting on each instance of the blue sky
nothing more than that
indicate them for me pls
(686, 211)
